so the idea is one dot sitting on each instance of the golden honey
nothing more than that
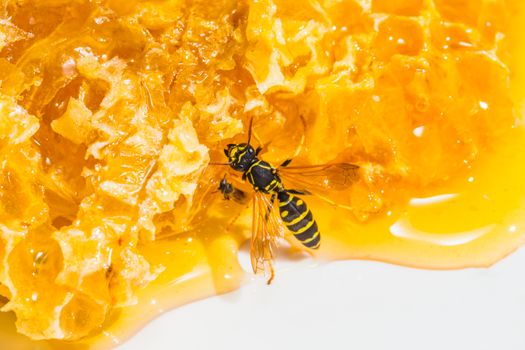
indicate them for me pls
(111, 112)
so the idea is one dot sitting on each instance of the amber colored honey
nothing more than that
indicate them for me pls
(472, 220)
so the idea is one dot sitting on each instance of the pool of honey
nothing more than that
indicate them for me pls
(473, 221)
(476, 221)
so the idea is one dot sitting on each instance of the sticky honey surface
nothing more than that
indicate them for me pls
(110, 112)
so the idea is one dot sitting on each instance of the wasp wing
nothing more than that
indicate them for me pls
(266, 231)
(320, 179)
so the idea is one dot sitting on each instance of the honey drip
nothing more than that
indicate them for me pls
(461, 203)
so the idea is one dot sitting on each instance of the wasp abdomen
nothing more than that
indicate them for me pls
(299, 219)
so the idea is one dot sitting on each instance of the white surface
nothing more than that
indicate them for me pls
(355, 305)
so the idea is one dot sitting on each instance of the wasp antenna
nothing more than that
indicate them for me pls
(250, 129)
(214, 163)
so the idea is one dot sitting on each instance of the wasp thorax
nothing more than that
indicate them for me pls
(240, 156)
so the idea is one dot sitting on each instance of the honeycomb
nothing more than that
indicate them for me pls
(110, 111)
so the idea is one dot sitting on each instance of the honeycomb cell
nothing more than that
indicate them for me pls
(349, 16)
(494, 18)
(289, 9)
(483, 76)
(35, 260)
(447, 36)
(81, 315)
(33, 266)
(464, 11)
(398, 35)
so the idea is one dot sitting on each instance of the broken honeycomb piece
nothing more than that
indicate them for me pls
(111, 110)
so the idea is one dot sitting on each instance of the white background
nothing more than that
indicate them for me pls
(355, 305)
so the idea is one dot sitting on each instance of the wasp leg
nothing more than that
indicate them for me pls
(302, 193)
(272, 273)
(286, 163)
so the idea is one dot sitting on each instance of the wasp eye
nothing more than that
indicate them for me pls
(226, 152)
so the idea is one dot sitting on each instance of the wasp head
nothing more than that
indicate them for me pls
(240, 156)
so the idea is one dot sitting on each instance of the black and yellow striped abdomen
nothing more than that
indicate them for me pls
(299, 219)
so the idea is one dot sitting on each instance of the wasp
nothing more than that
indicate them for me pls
(275, 206)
